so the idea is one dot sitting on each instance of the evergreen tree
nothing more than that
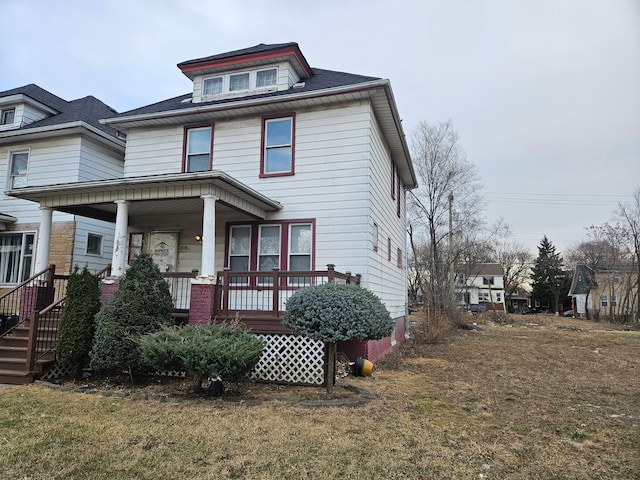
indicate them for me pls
(141, 305)
(76, 329)
(550, 282)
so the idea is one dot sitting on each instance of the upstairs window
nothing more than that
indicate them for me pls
(239, 81)
(16, 257)
(8, 116)
(211, 86)
(278, 146)
(266, 78)
(198, 149)
(18, 172)
(487, 281)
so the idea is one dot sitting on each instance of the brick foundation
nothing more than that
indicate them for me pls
(373, 350)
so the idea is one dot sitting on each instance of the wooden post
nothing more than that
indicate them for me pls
(32, 342)
(330, 271)
(330, 372)
(276, 292)
(348, 278)
(225, 293)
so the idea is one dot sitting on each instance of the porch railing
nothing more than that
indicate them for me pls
(264, 294)
(180, 288)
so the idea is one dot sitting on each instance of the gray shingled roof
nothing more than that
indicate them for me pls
(88, 109)
(262, 47)
(321, 79)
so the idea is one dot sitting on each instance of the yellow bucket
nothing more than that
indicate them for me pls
(362, 367)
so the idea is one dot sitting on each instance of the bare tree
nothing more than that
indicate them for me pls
(629, 215)
(514, 259)
(444, 176)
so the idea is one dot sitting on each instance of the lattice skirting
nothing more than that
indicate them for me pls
(58, 370)
(291, 359)
(286, 359)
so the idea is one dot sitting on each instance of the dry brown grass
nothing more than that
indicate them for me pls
(537, 398)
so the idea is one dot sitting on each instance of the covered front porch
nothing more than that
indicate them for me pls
(192, 224)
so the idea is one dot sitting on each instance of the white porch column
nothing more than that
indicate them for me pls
(208, 264)
(120, 251)
(44, 239)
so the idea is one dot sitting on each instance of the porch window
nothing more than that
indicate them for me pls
(135, 245)
(16, 256)
(278, 146)
(300, 252)
(239, 252)
(94, 244)
(18, 173)
(268, 250)
(198, 149)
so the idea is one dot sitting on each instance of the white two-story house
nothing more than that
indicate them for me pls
(480, 287)
(46, 140)
(252, 183)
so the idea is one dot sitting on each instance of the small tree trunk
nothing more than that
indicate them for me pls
(330, 376)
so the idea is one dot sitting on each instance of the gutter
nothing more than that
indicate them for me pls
(7, 136)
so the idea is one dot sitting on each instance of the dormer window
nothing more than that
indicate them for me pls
(8, 116)
(266, 78)
(211, 86)
(239, 81)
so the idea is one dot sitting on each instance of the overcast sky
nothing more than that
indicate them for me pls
(545, 94)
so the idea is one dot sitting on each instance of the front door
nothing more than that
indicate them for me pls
(164, 250)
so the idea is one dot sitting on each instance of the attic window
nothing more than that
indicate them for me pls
(266, 78)
(239, 81)
(8, 116)
(211, 86)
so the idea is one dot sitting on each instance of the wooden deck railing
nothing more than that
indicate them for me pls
(258, 299)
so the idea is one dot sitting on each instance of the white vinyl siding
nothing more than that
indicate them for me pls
(88, 226)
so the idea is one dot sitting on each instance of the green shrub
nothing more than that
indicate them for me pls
(76, 328)
(210, 351)
(141, 305)
(333, 312)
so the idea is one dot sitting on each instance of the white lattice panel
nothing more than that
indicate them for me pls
(291, 359)
(57, 371)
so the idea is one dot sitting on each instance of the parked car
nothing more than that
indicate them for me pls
(567, 313)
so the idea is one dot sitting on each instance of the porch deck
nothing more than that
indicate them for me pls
(258, 299)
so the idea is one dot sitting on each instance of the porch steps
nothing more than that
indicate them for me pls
(13, 352)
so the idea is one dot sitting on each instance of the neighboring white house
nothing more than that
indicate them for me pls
(267, 163)
(481, 284)
(47, 140)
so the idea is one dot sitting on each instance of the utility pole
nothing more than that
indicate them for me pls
(451, 266)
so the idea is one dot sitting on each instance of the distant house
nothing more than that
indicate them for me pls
(604, 291)
(45, 140)
(480, 284)
(269, 175)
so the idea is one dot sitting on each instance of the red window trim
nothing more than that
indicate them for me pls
(291, 115)
(398, 197)
(393, 180)
(284, 240)
(185, 134)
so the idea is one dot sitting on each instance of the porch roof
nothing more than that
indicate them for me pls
(164, 194)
